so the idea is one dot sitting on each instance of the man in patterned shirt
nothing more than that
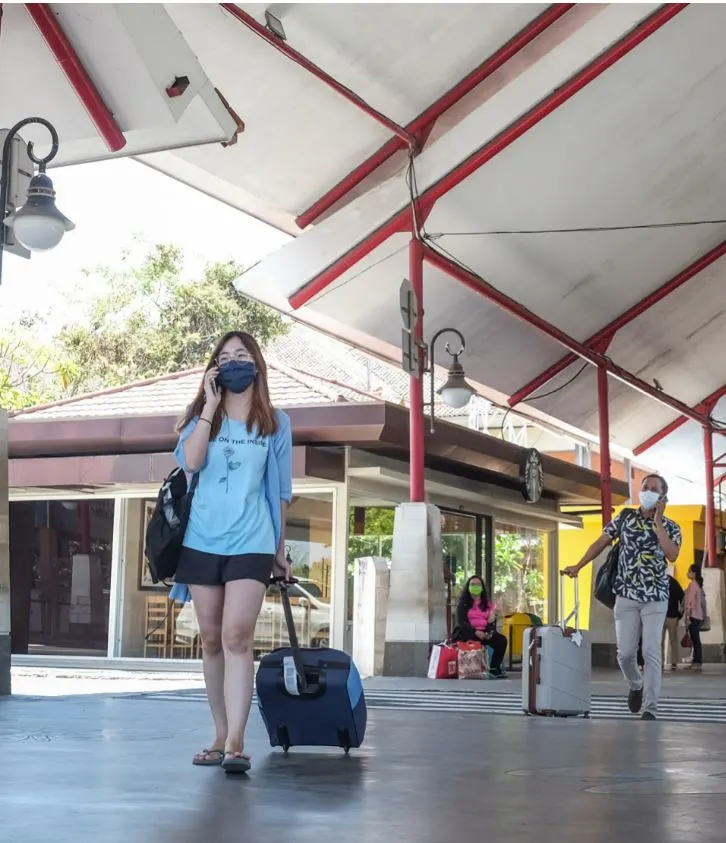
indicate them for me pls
(648, 542)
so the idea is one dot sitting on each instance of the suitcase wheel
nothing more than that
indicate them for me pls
(344, 740)
(283, 738)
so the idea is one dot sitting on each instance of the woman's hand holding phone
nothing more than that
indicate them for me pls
(212, 394)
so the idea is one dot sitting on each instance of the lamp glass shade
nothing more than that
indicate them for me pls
(38, 232)
(456, 392)
(39, 225)
(456, 397)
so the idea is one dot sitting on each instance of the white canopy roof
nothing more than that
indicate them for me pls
(638, 144)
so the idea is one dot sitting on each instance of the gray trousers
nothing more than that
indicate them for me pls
(631, 621)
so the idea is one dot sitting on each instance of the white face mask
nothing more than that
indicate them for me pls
(648, 499)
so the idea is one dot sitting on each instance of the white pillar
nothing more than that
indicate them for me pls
(416, 603)
(118, 577)
(602, 625)
(370, 614)
(713, 640)
(339, 568)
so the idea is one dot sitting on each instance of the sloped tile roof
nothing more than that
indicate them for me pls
(304, 366)
(171, 394)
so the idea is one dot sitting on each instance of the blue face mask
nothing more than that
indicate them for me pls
(237, 376)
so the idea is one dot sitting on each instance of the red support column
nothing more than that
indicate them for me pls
(606, 493)
(416, 398)
(710, 508)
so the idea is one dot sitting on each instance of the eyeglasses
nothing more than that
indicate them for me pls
(239, 356)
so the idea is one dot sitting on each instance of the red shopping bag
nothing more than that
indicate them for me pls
(444, 662)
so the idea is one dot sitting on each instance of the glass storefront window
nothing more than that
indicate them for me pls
(520, 570)
(149, 630)
(371, 534)
(60, 576)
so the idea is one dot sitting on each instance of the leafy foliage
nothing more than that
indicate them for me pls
(29, 368)
(149, 321)
(518, 559)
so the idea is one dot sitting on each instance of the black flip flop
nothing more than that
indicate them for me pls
(236, 763)
(206, 759)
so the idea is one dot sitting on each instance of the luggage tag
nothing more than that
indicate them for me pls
(290, 676)
(576, 638)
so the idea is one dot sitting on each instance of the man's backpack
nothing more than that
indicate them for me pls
(604, 590)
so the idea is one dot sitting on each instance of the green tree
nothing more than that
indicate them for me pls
(518, 574)
(31, 371)
(149, 321)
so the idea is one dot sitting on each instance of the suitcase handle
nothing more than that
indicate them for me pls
(575, 613)
(283, 584)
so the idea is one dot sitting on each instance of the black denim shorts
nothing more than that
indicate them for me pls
(199, 568)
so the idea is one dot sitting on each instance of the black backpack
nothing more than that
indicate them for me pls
(168, 524)
(604, 590)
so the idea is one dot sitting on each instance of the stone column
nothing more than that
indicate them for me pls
(416, 603)
(713, 640)
(602, 625)
(370, 614)
(4, 560)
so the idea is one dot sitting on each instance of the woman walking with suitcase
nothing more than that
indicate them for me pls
(241, 447)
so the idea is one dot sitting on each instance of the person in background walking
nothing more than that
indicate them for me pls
(648, 542)
(693, 613)
(673, 617)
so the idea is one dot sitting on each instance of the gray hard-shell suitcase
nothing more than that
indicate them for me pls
(557, 666)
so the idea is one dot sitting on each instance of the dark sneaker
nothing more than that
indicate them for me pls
(648, 715)
(635, 700)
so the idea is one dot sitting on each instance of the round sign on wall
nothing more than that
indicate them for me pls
(532, 475)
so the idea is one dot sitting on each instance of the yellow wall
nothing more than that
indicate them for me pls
(574, 542)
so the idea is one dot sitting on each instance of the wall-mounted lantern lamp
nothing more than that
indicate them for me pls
(38, 225)
(457, 391)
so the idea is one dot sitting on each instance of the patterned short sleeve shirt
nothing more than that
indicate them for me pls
(642, 567)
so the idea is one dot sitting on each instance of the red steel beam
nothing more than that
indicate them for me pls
(417, 436)
(264, 33)
(424, 122)
(77, 75)
(606, 480)
(605, 334)
(519, 311)
(399, 221)
(705, 407)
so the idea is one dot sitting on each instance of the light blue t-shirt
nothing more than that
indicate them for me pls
(230, 513)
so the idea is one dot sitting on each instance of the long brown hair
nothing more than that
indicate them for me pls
(262, 413)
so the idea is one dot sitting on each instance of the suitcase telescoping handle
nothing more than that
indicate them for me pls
(283, 585)
(575, 613)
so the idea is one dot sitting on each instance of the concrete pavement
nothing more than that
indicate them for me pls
(112, 767)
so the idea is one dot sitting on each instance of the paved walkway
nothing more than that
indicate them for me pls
(116, 768)
(31, 681)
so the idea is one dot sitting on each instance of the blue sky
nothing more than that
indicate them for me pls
(117, 206)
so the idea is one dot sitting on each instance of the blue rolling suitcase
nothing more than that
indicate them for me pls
(310, 697)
